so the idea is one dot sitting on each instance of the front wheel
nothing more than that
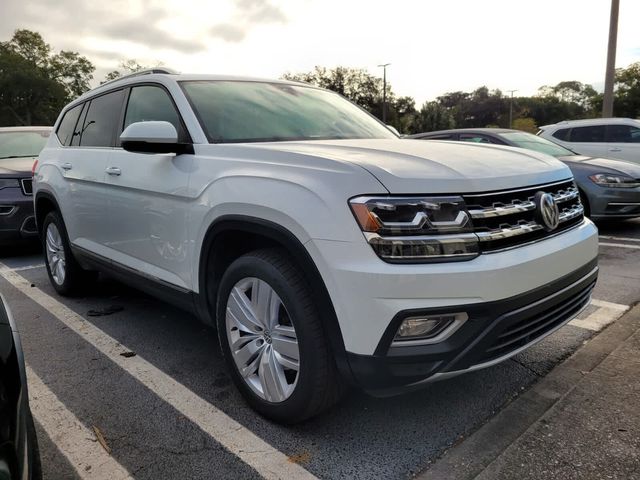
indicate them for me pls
(65, 274)
(272, 338)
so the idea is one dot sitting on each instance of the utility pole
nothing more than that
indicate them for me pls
(511, 108)
(607, 104)
(384, 92)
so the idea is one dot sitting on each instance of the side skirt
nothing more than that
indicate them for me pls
(179, 297)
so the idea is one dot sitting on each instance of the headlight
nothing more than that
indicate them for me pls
(416, 229)
(9, 182)
(615, 180)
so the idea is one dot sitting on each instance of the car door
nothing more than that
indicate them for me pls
(83, 165)
(588, 140)
(147, 196)
(623, 142)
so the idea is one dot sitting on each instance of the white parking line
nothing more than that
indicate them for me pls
(619, 245)
(605, 314)
(255, 452)
(620, 239)
(75, 441)
(27, 267)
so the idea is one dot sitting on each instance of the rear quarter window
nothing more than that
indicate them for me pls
(68, 124)
(562, 134)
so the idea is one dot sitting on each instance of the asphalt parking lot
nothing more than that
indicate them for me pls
(122, 386)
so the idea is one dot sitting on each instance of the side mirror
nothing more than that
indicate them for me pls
(153, 137)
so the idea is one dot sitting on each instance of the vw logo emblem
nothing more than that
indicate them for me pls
(547, 212)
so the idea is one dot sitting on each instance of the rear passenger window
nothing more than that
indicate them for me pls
(623, 134)
(68, 124)
(588, 134)
(149, 103)
(99, 127)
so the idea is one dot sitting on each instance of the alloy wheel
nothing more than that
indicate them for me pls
(262, 340)
(55, 254)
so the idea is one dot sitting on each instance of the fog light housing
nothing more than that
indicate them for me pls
(428, 329)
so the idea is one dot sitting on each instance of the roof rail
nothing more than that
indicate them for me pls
(147, 71)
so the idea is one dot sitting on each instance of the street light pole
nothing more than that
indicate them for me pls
(511, 108)
(607, 104)
(384, 92)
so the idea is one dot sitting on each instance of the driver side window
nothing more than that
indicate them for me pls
(151, 103)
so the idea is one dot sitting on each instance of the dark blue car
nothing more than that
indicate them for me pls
(19, 147)
(608, 188)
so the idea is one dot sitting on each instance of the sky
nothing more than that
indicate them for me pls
(433, 46)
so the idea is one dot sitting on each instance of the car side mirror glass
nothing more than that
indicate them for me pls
(153, 137)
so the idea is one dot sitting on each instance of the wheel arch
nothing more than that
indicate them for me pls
(44, 203)
(233, 235)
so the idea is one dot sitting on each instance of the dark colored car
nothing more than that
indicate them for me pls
(19, 453)
(19, 147)
(608, 188)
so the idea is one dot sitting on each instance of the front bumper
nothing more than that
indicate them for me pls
(494, 332)
(614, 202)
(17, 220)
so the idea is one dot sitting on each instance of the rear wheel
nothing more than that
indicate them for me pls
(272, 338)
(65, 274)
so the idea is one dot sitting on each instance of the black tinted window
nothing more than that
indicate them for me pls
(562, 134)
(437, 137)
(102, 117)
(588, 134)
(623, 134)
(149, 103)
(67, 125)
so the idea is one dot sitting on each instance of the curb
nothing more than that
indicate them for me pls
(469, 458)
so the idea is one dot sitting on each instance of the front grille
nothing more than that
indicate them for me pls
(527, 330)
(508, 219)
(27, 186)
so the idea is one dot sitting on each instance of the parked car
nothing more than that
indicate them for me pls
(18, 148)
(325, 249)
(608, 188)
(19, 453)
(598, 137)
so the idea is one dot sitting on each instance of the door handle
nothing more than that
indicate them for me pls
(615, 149)
(66, 166)
(113, 171)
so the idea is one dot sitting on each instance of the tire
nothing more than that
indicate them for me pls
(269, 354)
(34, 449)
(66, 275)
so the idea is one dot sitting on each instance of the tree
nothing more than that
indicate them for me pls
(35, 83)
(127, 66)
(627, 99)
(434, 116)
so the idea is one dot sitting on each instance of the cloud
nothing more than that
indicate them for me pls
(228, 32)
(77, 19)
(248, 13)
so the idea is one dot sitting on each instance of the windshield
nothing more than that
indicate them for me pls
(532, 142)
(22, 143)
(237, 111)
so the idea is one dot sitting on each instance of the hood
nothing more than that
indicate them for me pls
(20, 166)
(629, 168)
(415, 166)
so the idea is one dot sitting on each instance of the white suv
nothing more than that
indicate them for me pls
(324, 249)
(598, 137)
